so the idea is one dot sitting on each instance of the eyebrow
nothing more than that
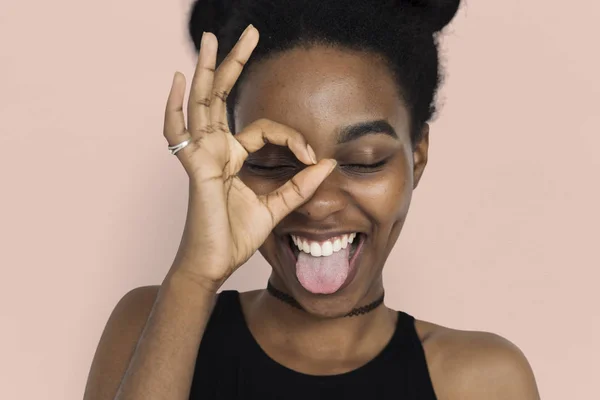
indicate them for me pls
(356, 131)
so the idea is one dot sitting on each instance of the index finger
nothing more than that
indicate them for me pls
(263, 131)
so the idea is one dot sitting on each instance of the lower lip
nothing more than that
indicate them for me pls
(352, 263)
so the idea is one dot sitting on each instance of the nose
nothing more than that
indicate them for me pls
(327, 200)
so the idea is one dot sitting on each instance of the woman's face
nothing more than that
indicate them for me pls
(347, 106)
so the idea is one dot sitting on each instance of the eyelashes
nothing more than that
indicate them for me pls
(365, 168)
(276, 171)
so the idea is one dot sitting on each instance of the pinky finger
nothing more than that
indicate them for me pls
(174, 126)
(297, 190)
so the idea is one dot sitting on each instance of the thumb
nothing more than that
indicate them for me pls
(297, 190)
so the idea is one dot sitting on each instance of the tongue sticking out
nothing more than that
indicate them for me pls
(323, 275)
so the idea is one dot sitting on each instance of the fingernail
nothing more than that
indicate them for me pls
(246, 30)
(202, 39)
(311, 154)
(333, 165)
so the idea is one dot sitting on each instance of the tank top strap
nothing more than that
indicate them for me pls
(224, 322)
(227, 302)
(406, 341)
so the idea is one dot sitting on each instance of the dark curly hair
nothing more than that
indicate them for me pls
(403, 32)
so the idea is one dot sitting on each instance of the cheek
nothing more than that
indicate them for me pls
(269, 249)
(387, 198)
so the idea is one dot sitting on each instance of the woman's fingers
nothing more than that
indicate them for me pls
(227, 74)
(201, 90)
(297, 190)
(303, 185)
(264, 131)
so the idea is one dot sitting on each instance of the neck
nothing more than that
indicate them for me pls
(283, 329)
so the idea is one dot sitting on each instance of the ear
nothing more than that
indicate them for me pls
(420, 152)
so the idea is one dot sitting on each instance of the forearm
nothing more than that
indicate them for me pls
(162, 365)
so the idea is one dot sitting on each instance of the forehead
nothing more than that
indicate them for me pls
(320, 89)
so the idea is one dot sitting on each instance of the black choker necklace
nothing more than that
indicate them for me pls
(286, 298)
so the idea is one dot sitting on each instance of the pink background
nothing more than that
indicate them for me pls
(502, 234)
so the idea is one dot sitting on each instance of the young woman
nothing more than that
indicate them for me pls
(305, 144)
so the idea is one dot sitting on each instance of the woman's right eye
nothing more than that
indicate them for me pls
(264, 167)
(270, 170)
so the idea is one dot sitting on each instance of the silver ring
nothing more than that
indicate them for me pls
(174, 149)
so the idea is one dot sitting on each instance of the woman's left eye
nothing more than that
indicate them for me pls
(365, 167)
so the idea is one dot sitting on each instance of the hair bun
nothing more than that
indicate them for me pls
(436, 13)
(209, 16)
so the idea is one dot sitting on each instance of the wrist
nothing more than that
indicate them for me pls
(191, 285)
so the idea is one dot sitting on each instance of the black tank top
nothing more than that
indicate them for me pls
(232, 365)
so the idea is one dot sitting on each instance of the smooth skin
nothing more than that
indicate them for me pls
(149, 346)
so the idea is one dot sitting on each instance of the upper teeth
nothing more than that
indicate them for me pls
(325, 248)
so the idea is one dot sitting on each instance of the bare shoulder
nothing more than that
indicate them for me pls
(140, 299)
(118, 342)
(475, 365)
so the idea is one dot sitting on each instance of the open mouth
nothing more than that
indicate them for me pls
(327, 265)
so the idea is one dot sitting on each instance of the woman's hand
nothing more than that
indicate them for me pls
(226, 221)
